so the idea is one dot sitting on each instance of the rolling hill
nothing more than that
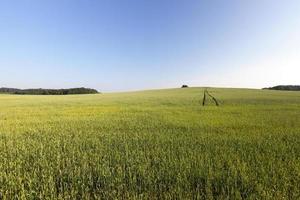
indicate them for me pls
(158, 144)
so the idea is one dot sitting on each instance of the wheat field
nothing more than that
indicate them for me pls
(157, 144)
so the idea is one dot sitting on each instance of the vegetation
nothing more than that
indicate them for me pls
(285, 87)
(206, 93)
(49, 91)
(159, 144)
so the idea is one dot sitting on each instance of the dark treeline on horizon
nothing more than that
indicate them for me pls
(41, 91)
(285, 87)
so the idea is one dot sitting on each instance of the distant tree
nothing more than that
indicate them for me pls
(41, 91)
(184, 86)
(284, 87)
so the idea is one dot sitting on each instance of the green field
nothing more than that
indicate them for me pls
(160, 144)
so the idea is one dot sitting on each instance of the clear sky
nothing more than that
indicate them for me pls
(117, 45)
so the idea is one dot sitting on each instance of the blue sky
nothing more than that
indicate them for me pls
(118, 45)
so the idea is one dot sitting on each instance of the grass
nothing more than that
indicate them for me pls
(159, 144)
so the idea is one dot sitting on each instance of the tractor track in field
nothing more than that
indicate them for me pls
(205, 94)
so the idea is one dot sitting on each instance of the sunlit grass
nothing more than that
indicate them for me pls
(159, 144)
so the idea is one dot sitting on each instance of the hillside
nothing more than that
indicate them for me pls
(158, 144)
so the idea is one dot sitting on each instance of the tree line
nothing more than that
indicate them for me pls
(285, 87)
(41, 91)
